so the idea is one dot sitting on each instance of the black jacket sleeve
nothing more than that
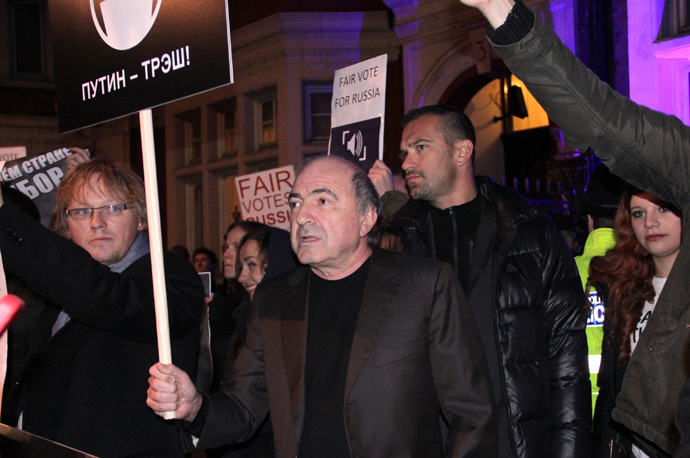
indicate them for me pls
(120, 303)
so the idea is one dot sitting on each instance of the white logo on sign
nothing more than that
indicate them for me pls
(355, 145)
(126, 22)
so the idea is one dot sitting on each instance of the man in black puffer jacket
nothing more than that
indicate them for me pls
(520, 277)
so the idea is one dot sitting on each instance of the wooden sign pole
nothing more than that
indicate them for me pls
(155, 240)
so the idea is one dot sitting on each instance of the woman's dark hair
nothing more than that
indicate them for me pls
(262, 237)
(243, 313)
(247, 226)
(626, 271)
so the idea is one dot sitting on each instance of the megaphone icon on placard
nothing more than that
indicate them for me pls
(127, 22)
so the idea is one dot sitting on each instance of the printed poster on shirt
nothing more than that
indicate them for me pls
(357, 112)
(37, 177)
(264, 196)
(116, 57)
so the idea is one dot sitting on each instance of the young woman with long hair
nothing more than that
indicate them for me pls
(630, 278)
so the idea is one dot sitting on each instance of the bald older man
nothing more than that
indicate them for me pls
(356, 353)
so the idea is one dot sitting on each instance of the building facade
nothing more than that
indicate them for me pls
(285, 52)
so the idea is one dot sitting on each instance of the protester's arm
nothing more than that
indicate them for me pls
(460, 371)
(495, 11)
(646, 148)
(565, 321)
(240, 406)
(93, 295)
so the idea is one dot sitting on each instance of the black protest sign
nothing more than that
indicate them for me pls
(116, 57)
(357, 142)
(37, 177)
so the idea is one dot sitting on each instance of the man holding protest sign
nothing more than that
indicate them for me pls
(83, 382)
(355, 353)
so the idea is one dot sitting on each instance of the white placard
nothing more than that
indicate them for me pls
(10, 153)
(264, 196)
(358, 111)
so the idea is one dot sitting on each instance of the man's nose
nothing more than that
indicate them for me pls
(97, 219)
(303, 214)
(408, 164)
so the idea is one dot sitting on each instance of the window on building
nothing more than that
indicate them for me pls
(226, 116)
(307, 156)
(229, 200)
(27, 39)
(191, 134)
(260, 166)
(317, 110)
(266, 120)
(195, 212)
(675, 21)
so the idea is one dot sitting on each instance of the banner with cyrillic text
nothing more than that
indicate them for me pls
(116, 57)
(264, 196)
(358, 111)
(38, 178)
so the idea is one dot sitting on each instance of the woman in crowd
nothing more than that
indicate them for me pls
(250, 268)
(226, 299)
(252, 260)
(630, 278)
(260, 255)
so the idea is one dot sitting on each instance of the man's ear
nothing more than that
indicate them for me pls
(367, 221)
(462, 152)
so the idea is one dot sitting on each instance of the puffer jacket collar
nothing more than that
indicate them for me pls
(511, 209)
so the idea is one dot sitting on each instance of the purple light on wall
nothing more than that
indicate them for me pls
(658, 71)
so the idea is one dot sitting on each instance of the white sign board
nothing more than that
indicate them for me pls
(10, 153)
(264, 196)
(357, 112)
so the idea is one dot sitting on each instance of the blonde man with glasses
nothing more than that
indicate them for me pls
(86, 378)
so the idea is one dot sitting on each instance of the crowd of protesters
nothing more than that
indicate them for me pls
(428, 312)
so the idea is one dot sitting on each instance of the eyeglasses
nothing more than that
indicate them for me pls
(106, 211)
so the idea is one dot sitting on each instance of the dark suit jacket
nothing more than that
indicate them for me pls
(415, 353)
(86, 386)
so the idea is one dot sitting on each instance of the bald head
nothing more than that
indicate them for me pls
(363, 189)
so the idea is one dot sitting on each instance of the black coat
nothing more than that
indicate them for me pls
(523, 271)
(414, 354)
(86, 386)
(611, 439)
